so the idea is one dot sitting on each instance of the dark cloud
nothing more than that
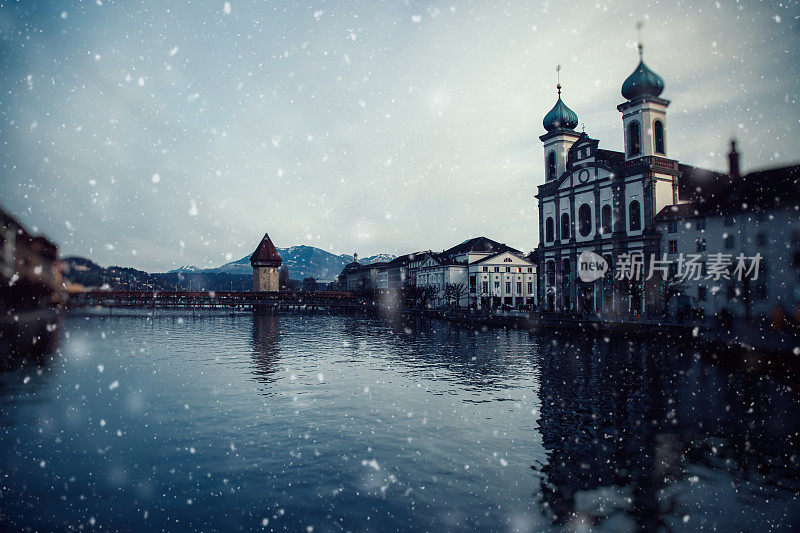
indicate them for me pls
(354, 127)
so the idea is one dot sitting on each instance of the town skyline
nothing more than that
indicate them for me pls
(181, 135)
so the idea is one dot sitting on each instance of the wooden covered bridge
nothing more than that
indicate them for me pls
(256, 301)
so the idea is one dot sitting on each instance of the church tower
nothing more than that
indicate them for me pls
(644, 114)
(265, 262)
(560, 124)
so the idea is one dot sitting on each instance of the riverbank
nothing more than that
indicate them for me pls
(743, 346)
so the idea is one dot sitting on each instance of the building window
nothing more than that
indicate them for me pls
(472, 284)
(508, 287)
(673, 247)
(485, 287)
(701, 245)
(701, 224)
(508, 269)
(701, 294)
(658, 135)
(672, 226)
(551, 166)
(635, 215)
(548, 230)
(606, 216)
(610, 263)
(728, 241)
(565, 226)
(550, 268)
(497, 269)
(761, 238)
(585, 220)
(530, 287)
(530, 269)
(519, 287)
(485, 269)
(634, 139)
(497, 287)
(673, 270)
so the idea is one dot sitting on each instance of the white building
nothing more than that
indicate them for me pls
(437, 271)
(606, 201)
(740, 216)
(453, 266)
(505, 278)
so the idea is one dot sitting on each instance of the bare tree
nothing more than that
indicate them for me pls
(664, 288)
(457, 291)
(630, 288)
(428, 294)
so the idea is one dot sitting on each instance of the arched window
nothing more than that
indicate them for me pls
(634, 139)
(551, 272)
(584, 220)
(658, 136)
(551, 166)
(635, 215)
(548, 230)
(565, 233)
(606, 216)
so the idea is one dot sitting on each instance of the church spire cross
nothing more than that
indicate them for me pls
(639, 45)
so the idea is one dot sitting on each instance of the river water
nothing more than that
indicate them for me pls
(339, 423)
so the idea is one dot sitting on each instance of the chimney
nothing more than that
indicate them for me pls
(733, 162)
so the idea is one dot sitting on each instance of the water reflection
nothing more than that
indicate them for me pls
(423, 425)
(266, 348)
(631, 428)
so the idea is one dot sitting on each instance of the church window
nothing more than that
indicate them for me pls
(606, 216)
(551, 166)
(634, 139)
(635, 215)
(548, 230)
(551, 272)
(585, 220)
(565, 233)
(658, 134)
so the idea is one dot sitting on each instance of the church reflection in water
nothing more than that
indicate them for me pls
(266, 350)
(626, 425)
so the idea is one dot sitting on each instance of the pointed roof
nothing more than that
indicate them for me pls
(266, 254)
(478, 244)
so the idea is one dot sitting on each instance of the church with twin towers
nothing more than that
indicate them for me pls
(606, 201)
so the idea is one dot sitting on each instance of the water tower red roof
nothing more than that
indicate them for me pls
(266, 254)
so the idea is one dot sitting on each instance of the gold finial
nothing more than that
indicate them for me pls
(558, 78)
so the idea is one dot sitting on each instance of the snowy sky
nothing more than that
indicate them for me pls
(161, 133)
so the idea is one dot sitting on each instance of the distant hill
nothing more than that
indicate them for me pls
(303, 262)
(91, 275)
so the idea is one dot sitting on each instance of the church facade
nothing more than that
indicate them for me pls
(605, 201)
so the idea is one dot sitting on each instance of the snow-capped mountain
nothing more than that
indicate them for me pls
(303, 262)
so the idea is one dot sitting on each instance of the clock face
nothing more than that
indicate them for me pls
(583, 176)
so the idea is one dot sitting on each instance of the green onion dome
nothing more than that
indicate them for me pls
(642, 83)
(560, 117)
